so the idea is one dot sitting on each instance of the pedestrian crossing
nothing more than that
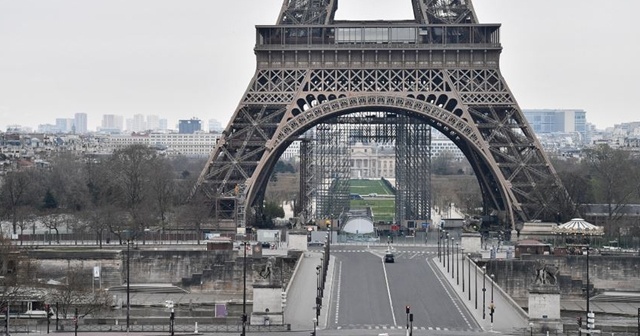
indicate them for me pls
(390, 327)
(396, 252)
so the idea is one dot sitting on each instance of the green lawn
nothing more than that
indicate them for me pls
(383, 210)
(366, 187)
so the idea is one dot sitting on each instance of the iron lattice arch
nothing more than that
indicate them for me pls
(442, 69)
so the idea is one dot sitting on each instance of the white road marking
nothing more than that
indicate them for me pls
(386, 279)
(338, 291)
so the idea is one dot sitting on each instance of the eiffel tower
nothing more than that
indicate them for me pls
(441, 68)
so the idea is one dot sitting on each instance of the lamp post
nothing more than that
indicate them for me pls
(453, 273)
(172, 318)
(446, 237)
(457, 264)
(439, 237)
(476, 291)
(128, 281)
(531, 328)
(315, 324)
(484, 290)
(318, 281)
(492, 305)
(588, 290)
(462, 266)
(318, 296)
(244, 288)
(469, 271)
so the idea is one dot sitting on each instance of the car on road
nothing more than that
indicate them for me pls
(389, 258)
(315, 243)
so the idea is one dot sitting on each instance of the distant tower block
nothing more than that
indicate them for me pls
(442, 68)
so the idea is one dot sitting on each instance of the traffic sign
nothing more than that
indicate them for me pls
(591, 320)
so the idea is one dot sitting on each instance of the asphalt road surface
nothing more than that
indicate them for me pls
(372, 295)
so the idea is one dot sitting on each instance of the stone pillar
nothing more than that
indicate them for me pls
(471, 242)
(544, 309)
(267, 305)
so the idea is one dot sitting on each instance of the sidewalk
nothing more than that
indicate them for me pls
(507, 317)
(300, 310)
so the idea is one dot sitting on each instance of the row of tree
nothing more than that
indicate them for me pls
(124, 194)
(606, 176)
(601, 175)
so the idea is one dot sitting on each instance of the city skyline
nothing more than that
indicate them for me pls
(166, 58)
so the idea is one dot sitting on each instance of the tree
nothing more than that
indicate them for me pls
(26, 217)
(16, 191)
(17, 273)
(65, 181)
(614, 178)
(76, 291)
(194, 214)
(53, 220)
(131, 168)
(443, 163)
(162, 189)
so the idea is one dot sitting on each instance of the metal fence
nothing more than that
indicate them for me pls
(606, 331)
(178, 328)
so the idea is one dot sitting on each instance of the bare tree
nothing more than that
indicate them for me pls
(17, 273)
(194, 214)
(614, 178)
(65, 180)
(131, 170)
(16, 191)
(53, 220)
(26, 216)
(162, 188)
(76, 291)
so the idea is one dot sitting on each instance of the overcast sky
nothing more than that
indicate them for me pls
(193, 58)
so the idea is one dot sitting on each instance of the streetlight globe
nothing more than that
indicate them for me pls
(492, 275)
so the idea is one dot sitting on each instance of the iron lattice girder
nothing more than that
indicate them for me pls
(413, 170)
(454, 83)
(296, 12)
(332, 169)
(444, 11)
(307, 178)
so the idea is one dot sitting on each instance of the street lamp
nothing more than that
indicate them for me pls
(531, 328)
(318, 281)
(447, 250)
(453, 273)
(484, 290)
(457, 265)
(469, 268)
(462, 262)
(439, 237)
(244, 288)
(318, 292)
(315, 323)
(492, 307)
(588, 290)
(172, 318)
(476, 291)
(128, 281)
